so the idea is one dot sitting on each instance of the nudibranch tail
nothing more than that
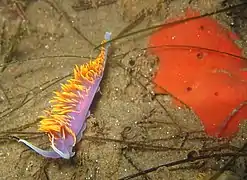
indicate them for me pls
(65, 121)
(47, 154)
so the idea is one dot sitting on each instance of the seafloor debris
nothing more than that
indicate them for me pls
(200, 65)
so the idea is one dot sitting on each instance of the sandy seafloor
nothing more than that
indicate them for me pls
(129, 129)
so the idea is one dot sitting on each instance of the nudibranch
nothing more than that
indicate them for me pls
(65, 121)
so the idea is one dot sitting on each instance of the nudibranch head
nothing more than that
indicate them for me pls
(65, 121)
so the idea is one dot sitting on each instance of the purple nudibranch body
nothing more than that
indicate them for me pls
(65, 121)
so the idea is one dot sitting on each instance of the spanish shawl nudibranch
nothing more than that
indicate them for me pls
(65, 122)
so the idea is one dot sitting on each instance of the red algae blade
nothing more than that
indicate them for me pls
(211, 83)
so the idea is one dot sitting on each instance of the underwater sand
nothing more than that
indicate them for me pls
(130, 129)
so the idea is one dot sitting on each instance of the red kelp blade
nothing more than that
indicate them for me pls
(213, 84)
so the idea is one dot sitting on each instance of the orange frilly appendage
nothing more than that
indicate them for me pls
(57, 119)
